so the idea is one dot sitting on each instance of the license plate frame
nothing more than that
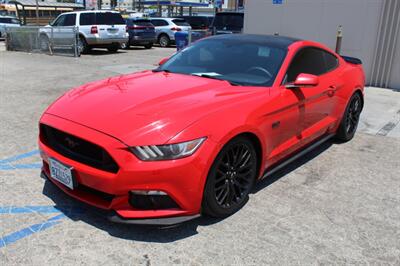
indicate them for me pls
(62, 173)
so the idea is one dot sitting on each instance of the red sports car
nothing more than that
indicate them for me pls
(192, 136)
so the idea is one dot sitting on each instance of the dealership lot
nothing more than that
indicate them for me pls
(340, 204)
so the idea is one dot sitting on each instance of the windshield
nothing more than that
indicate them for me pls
(238, 62)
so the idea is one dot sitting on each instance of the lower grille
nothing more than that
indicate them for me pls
(77, 149)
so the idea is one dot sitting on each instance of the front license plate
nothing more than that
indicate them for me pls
(61, 173)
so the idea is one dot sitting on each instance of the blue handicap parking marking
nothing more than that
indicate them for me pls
(35, 228)
(27, 231)
(10, 163)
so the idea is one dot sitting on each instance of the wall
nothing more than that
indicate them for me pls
(318, 20)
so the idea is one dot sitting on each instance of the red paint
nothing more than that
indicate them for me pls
(149, 108)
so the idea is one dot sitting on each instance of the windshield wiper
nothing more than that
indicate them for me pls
(233, 83)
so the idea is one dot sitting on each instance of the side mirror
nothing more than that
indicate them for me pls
(304, 80)
(162, 62)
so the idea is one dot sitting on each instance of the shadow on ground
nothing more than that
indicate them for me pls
(78, 211)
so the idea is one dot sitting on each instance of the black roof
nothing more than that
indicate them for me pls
(271, 40)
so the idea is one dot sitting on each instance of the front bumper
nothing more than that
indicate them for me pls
(182, 180)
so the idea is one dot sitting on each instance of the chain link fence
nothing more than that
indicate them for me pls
(46, 40)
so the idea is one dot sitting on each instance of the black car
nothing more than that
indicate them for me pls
(141, 32)
(199, 22)
(228, 22)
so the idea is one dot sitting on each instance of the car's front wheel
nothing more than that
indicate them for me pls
(230, 178)
(351, 117)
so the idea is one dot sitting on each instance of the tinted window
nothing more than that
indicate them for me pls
(9, 20)
(229, 20)
(245, 63)
(70, 20)
(87, 19)
(109, 18)
(143, 22)
(311, 61)
(198, 22)
(331, 61)
(59, 21)
(180, 22)
(159, 22)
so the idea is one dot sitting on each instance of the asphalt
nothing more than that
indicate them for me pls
(339, 205)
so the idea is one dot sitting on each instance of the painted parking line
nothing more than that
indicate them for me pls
(9, 163)
(27, 231)
(35, 228)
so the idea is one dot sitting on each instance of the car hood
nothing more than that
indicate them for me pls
(146, 107)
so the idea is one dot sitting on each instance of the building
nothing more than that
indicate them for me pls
(371, 29)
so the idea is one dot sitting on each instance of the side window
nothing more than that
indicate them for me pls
(311, 61)
(59, 21)
(70, 20)
(86, 19)
(159, 22)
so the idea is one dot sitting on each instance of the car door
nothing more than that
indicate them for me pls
(55, 33)
(317, 102)
(64, 34)
(159, 25)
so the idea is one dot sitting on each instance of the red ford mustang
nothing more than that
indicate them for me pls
(192, 136)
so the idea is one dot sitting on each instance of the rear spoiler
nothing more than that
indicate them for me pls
(352, 60)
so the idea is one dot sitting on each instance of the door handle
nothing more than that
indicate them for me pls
(331, 90)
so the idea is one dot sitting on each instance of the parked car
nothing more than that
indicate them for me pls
(166, 29)
(198, 22)
(141, 32)
(211, 121)
(7, 22)
(97, 29)
(227, 23)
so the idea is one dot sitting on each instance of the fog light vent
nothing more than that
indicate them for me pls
(151, 200)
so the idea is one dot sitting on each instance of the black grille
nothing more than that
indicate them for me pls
(77, 149)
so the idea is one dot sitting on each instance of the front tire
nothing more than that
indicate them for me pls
(351, 117)
(230, 178)
(44, 43)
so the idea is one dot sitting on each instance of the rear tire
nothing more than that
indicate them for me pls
(148, 46)
(351, 117)
(83, 47)
(230, 179)
(164, 40)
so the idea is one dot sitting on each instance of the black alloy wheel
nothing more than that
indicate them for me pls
(231, 178)
(351, 118)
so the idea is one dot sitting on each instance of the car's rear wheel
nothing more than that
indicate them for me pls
(230, 178)
(164, 40)
(83, 47)
(351, 117)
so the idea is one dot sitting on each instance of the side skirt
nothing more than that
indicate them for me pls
(296, 156)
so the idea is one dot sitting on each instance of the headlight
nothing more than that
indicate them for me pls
(167, 152)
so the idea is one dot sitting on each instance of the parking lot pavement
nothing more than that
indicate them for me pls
(339, 205)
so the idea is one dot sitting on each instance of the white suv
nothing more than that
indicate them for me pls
(101, 29)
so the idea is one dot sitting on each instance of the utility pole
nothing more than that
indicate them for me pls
(37, 12)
